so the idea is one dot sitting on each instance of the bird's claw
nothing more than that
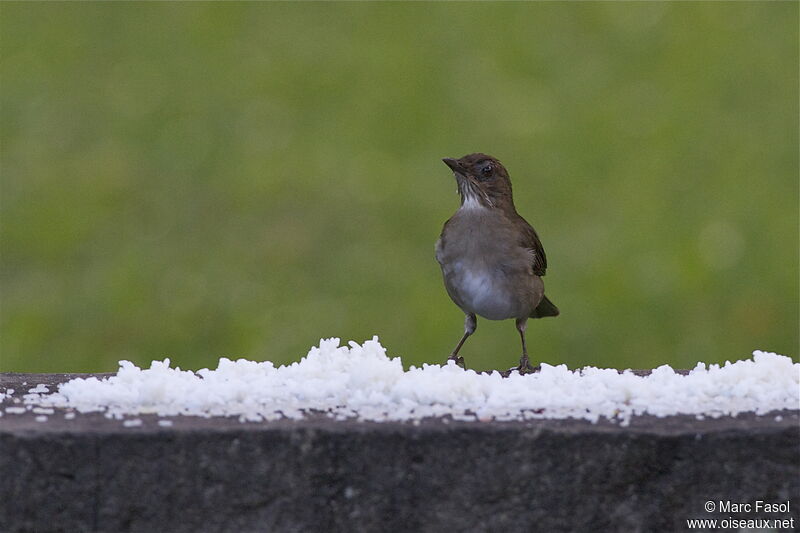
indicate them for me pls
(458, 359)
(526, 368)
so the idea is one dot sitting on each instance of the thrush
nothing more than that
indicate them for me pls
(492, 260)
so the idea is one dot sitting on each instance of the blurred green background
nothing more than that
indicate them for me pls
(197, 181)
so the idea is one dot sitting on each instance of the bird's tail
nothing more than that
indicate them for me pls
(545, 308)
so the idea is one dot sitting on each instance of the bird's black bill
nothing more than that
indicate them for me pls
(454, 165)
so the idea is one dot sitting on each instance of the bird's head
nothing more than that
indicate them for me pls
(482, 181)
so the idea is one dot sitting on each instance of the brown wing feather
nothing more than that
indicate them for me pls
(530, 240)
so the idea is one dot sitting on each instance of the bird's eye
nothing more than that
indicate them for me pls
(487, 169)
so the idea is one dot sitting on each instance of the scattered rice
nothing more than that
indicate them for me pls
(361, 382)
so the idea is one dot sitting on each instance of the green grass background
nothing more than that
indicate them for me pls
(197, 181)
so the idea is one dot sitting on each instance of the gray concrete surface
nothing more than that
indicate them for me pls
(93, 474)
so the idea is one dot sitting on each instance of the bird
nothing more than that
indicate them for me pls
(492, 260)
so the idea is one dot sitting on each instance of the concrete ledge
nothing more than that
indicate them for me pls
(93, 474)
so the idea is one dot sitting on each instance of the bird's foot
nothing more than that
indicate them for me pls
(528, 369)
(522, 370)
(458, 359)
(525, 367)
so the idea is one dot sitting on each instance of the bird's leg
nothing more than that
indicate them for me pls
(525, 366)
(470, 324)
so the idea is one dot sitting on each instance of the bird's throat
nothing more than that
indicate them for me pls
(472, 201)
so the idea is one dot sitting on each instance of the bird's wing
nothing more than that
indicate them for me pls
(530, 240)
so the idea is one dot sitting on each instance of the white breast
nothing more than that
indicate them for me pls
(483, 291)
(476, 286)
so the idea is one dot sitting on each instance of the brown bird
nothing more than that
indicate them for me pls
(492, 260)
